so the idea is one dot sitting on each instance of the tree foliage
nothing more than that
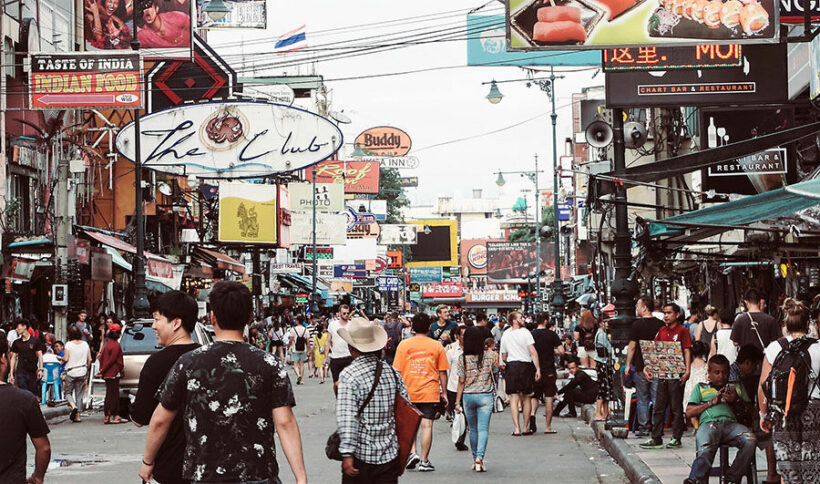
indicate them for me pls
(390, 189)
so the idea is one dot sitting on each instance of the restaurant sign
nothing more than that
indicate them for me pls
(357, 176)
(764, 163)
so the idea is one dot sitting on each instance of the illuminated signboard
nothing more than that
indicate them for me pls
(657, 58)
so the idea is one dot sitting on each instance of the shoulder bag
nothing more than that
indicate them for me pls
(408, 419)
(753, 324)
(333, 442)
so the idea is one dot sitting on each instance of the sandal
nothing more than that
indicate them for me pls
(527, 432)
(516, 434)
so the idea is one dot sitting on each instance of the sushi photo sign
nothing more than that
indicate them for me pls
(594, 24)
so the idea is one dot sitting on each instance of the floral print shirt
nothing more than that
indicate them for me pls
(226, 393)
(478, 380)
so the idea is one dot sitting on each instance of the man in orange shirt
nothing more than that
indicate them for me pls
(423, 365)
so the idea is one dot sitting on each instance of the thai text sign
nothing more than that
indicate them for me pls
(84, 80)
(585, 24)
(318, 253)
(437, 289)
(425, 274)
(247, 213)
(658, 58)
(329, 196)
(235, 139)
(357, 176)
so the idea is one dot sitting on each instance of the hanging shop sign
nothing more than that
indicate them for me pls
(85, 80)
(341, 286)
(330, 228)
(487, 46)
(349, 271)
(396, 259)
(384, 141)
(446, 289)
(425, 275)
(409, 181)
(287, 268)
(398, 162)
(761, 80)
(363, 230)
(202, 77)
(231, 140)
(510, 262)
(398, 234)
(389, 283)
(660, 58)
(329, 197)
(318, 253)
(357, 176)
(241, 14)
(165, 28)
(588, 24)
(247, 213)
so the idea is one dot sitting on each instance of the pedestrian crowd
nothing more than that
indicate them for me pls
(747, 380)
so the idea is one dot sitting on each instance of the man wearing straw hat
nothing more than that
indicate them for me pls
(364, 409)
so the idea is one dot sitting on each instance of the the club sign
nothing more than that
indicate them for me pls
(231, 139)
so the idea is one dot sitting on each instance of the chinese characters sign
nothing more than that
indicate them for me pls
(79, 81)
(657, 58)
(446, 289)
(358, 176)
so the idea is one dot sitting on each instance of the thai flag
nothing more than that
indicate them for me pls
(290, 41)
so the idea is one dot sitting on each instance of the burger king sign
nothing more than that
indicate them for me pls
(477, 256)
(474, 256)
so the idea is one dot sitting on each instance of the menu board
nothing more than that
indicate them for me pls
(664, 359)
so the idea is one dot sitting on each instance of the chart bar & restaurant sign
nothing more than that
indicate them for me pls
(85, 80)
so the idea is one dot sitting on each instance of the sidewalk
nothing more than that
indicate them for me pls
(658, 466)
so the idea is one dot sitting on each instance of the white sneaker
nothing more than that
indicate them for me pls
(413, 461)
(426, 466)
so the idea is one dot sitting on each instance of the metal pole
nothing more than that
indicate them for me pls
(557, 289)
(61, 232)
(3, 95)
(537, 243)
(141, 306)
(314, 304)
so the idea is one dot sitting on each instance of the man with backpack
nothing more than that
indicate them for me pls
(298, 348)
(754, 327)
(394, 325)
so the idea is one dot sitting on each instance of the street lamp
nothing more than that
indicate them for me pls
(357, 151)
(500, 181)
(546, 85)
(217, 10)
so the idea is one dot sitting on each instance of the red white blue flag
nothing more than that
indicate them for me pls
(294, 40)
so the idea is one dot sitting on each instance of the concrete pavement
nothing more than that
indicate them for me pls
(90, 452)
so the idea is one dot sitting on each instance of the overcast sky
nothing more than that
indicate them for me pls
(432, 107)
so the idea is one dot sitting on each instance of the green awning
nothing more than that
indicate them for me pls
(117, 259)
(755, 208)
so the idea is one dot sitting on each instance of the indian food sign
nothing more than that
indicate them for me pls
(84, 80)
(594, 24)
(231, 140)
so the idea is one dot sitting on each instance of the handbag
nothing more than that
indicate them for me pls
(408, 419)
(334, 441)
(459, 426)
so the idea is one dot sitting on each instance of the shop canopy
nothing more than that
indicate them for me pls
(736, 214)
(221, 261)
(156, 266)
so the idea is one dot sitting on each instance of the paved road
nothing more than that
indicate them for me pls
(91, 452)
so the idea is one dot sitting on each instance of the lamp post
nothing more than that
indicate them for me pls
(548, 86)
(314, 306)
(141, 307)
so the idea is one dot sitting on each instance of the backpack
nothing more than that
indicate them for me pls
(393, 331)
(792, 363)
(301, 341)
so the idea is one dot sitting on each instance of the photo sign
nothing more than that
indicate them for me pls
(357, 176)
(241, 14)
(85, 80)
(594, 24)
(664, 359)
(329, 197)
(247, 213)
(231, 140)
(762, 79)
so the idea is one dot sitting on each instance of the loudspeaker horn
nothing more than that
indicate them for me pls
(598, 134)
(634, 134)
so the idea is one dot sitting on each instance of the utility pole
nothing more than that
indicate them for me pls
(61, 232)
(558, 302)
(141, 306)
(537, 244)
(314, 305)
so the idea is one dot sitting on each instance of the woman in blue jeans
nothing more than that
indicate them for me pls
(476, 371)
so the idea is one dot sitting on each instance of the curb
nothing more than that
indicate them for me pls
(52, 413)
(636, 470)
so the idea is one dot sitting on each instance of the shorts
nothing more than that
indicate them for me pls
(546, 386)
(298, 356)
(583, 353)
(429, 410)
(337, 365)
(519, 378)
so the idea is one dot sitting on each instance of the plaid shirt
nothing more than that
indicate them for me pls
(371, 438)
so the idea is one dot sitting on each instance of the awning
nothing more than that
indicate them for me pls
(222, 261)
(733, 215)
(117, 259)
(155, 266)
(199, 270)
(30, 243)
(299, 282)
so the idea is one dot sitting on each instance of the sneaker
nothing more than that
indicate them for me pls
(299, 380)
(426, 466)
(532, 424)
(652, 444)
(674, 444)
(412, 461)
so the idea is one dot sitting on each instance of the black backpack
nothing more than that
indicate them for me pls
(301, 342)
(794, 356)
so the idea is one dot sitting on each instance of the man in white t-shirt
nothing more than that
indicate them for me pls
(336, 347)
(522, 368)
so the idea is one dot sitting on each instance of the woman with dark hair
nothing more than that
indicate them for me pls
(796, 435)
(77, 361)
(111, 367)
(722, 343)
(605, 370)
(585, 338)
(476, 375)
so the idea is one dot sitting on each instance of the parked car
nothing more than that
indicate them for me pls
(138, 342)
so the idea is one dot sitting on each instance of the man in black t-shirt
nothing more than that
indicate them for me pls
(20, 416)
(754, 326)
(174, 320)
(547, 345)
(26, 359)
(581, 390)
(645, 328)
(233, 396)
